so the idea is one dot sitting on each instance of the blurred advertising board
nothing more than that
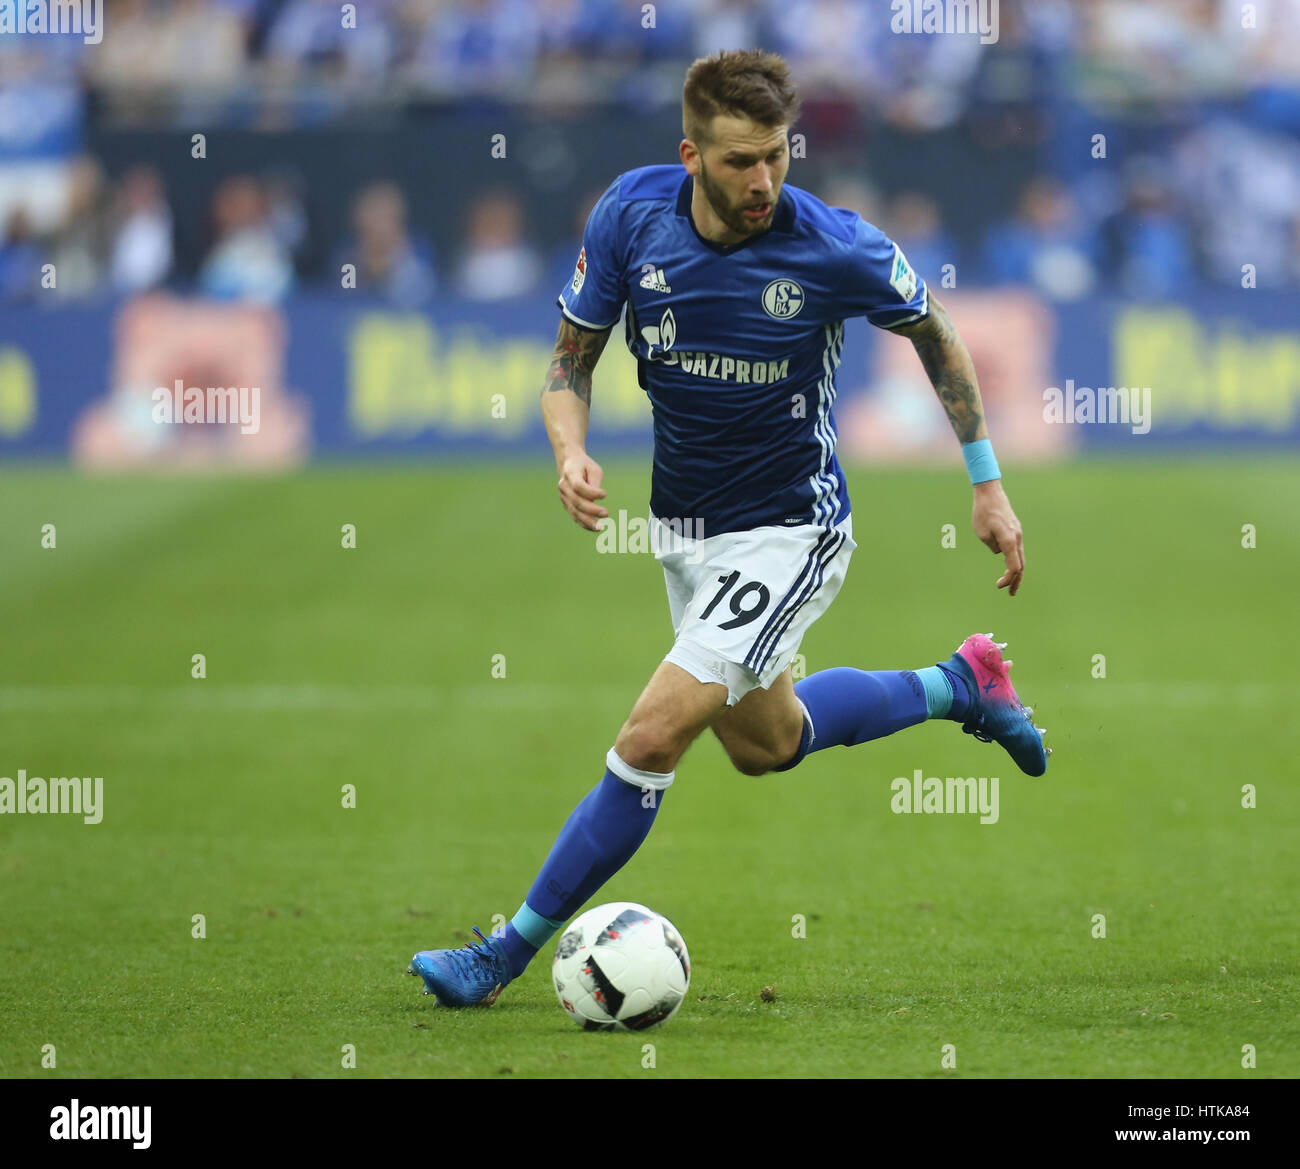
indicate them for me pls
(168, 381)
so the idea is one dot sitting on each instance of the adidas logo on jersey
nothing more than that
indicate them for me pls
(654, 280)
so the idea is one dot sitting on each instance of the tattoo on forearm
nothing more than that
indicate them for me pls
(576, 353)
(949, 368)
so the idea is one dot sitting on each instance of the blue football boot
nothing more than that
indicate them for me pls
(469, 977)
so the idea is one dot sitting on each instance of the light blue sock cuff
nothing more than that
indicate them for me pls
(980, 461)
(535, 929)
(938, 691)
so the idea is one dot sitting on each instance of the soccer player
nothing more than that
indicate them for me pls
(736, 287)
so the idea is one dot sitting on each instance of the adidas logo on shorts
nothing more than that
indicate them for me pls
(655, 281)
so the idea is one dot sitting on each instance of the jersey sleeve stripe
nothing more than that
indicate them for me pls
(916, 316)
(564, 308)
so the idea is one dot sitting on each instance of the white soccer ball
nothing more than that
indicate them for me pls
(621, 966)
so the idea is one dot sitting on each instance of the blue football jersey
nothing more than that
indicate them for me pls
(737, 347)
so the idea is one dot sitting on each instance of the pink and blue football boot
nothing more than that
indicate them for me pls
(996, 714)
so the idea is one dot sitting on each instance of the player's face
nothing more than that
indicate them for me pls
(740, 171)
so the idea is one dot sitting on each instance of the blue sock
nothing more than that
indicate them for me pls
(847, 706)
(946, 695)
(598, 839)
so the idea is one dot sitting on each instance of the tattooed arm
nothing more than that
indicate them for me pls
(952, 373)
(566, 405)
(950, 370)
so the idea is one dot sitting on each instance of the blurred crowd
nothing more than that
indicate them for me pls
(1155, 242)
(243, 47)
(1216, 184)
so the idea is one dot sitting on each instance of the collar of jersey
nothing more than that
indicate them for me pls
(782, 221)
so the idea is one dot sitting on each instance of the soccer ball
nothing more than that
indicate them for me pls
(621, 967)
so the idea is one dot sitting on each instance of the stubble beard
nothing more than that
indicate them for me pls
(732, 216)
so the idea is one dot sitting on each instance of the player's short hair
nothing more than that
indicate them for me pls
(741, 83)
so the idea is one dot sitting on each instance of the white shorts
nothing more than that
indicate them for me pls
(742, 601)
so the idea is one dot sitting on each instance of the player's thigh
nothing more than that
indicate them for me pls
(765, 724)
(667, 718)
(756, 593)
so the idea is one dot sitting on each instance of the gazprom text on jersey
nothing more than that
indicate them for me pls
(727, 369)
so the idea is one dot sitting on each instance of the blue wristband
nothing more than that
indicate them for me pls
(980, 461)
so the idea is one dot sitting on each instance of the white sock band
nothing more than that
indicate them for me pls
(655, 780)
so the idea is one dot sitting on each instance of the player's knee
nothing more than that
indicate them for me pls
(648, 746)
(750, 758)
(752, 762)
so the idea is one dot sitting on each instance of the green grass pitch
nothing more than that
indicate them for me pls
(373, 667)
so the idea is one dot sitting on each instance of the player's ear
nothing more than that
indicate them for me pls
(690, 155)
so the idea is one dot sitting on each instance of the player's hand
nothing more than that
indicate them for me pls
(996, 524)
(580, 488)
